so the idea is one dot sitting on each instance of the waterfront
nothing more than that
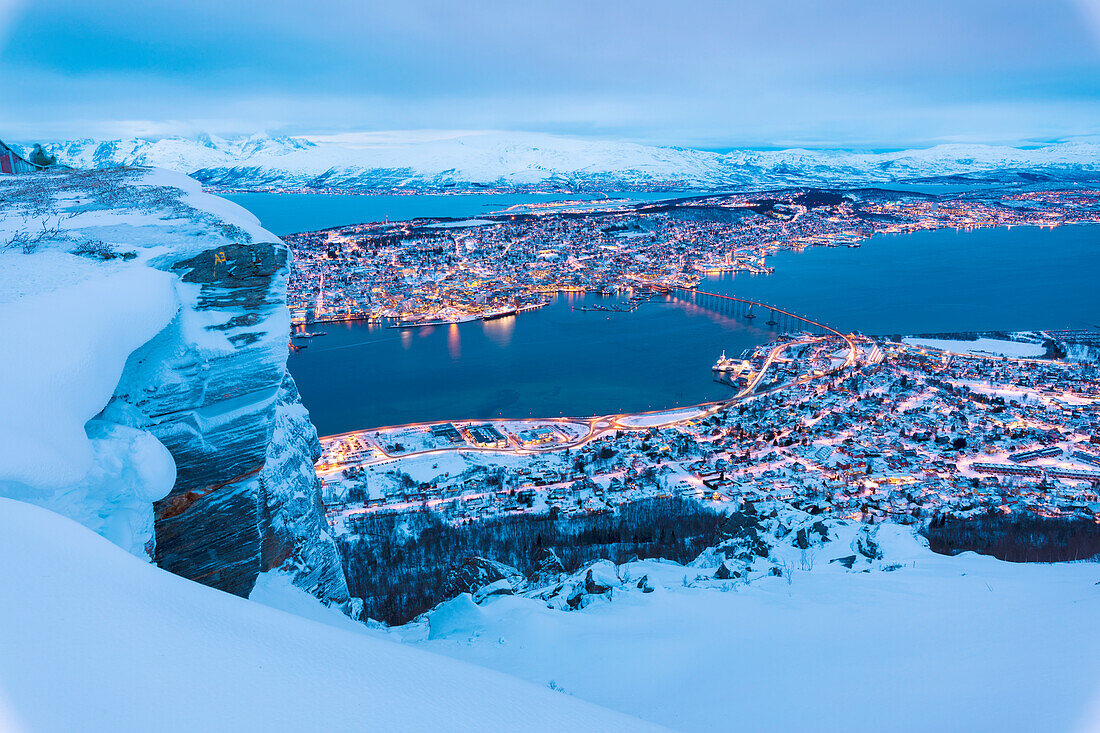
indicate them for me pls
(549, 362)
(288, 213)
(555, 361)
(448, 271)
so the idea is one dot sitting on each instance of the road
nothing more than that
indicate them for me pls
(597, 427)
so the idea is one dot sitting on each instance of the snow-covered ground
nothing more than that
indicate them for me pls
(980, 347)
(93, 639)
(965, 643)
(72, 344)
(79, 293)
(659, 418)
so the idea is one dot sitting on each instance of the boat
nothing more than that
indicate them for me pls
(499, 314)
(412, 323)
(724, 363)
(307, 334)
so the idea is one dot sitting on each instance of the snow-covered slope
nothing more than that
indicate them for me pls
(69, 349)
(145, 383)
(92, 639)
(911, 641)
(432, 161)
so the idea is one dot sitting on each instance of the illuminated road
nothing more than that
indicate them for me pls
(597, 427)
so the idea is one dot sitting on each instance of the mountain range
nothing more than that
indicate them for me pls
(434, 161)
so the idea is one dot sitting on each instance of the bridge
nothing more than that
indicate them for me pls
(600, 425)
(779, 319)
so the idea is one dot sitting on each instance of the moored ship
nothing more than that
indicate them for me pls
(725, 363)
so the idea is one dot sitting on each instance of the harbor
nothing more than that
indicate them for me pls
(569, 358)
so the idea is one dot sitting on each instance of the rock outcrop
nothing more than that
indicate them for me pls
(211, 386)
(865, 543)
(597, 580)
(549, 567)
(473, 573)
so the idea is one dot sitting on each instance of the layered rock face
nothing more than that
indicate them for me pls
(212, 385)
(212, 404)
(295, 536)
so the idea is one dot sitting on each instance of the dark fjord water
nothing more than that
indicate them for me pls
(558, 361)
(549, 362)
(1007, 279)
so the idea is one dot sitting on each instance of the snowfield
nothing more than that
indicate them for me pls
(72, 343)
(965, 643)
(93, 639)
(980, 347)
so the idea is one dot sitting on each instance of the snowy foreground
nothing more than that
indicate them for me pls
(94, 639)
(965, 643)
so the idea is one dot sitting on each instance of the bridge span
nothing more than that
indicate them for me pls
(600, 425)
(778, 317)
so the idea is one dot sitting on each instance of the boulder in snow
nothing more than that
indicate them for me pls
(473, 573)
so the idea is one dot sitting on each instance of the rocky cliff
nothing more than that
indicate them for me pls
(207, 380)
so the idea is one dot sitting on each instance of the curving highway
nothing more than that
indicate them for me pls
(598, 426)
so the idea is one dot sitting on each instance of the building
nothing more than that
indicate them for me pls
(12, 162)
(448, 431)
(487, 436)
(537, 436)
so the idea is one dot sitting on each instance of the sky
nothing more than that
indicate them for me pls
(767, 73)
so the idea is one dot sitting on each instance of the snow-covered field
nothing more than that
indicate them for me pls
(426, 468)
(965, 643)
(72, 344)
(94, 639)
(659, 418)
(980, 347)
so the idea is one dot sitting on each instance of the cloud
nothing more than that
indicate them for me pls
(716, 73)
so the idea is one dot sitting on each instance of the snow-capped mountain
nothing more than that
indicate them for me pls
(468, 160)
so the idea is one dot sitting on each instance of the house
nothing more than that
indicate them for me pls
(12, 162)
